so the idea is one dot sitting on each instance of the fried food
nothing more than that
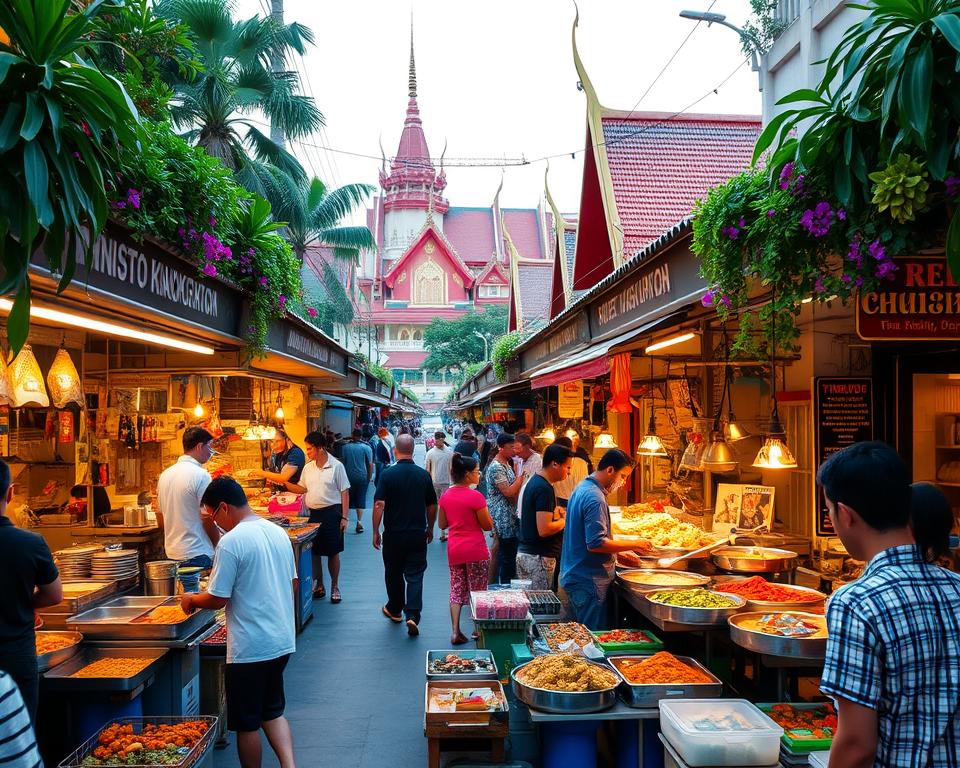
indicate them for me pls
(47, 642)
(113, 666)
(566, 672)
(660, 529)
(156, 744)
(560, 633)
(165, 614)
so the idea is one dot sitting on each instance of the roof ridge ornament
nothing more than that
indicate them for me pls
(413, 64)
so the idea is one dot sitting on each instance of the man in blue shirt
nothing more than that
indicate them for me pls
(589, 550)
(893, 635)
(357, 458)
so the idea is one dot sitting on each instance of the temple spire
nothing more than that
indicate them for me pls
(413, 65)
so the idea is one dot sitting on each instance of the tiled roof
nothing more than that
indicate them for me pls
(405, 359)
(570, 247)
(523, 226)
(536, 282)
(661, 164)
(471, 232)
(430, 229)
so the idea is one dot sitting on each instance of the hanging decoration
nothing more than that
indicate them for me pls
(651, 444)
(28, 388)
(718, 456)
(6, 387)
(693, 453)
(64, 381)
(733, 430)
(605, 440)
(620, 383)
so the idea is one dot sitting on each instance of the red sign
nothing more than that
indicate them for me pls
(921, 302)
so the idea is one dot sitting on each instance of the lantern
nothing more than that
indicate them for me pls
(28, 388)
(64, 381)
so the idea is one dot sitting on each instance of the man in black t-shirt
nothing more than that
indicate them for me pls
(406, 502)
(542, 521)
(28, 580)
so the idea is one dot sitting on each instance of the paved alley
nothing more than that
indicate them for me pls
(355, 686)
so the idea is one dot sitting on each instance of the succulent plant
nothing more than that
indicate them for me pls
(901, 187)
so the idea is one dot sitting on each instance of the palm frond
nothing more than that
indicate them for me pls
(269, 182)
(335, 205)
(266, 150)
(296, 115)
(353, 239)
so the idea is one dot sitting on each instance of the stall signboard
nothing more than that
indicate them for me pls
(744, 507)
(147, 275)
(570, 400)
(299, 343)
(921, 302)
(652, 291)
(842, 416)
(566, 338)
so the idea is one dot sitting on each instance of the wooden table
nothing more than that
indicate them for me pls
(496, 732)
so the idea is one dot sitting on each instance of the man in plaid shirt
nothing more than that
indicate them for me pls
(893, 652)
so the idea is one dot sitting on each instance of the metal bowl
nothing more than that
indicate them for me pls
(776, 645)
(682, 614)
(745, 560)
(810, 606)
(565, 702)
(695, 579)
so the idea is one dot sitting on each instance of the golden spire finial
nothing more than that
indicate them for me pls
(413, 64)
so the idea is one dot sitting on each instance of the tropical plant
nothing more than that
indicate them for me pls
(215, 109)
(409, 394)
(763, 27)
(61, 120)
(454, 344)
(890, 89)
(315, 214)
(330, 305)
(503, 352)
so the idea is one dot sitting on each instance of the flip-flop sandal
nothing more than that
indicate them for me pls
(335, 596)
(459, 640)
(319, 594)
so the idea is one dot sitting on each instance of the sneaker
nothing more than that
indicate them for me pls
(394, 619)
(412, 629)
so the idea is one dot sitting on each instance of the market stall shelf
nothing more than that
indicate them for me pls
(198, 736)
(125, 619)
(65, 676)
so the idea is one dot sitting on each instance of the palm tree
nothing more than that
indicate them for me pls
(215, 108)
(313, 216)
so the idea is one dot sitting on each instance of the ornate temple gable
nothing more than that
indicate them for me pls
(429, 273)
(493, 273)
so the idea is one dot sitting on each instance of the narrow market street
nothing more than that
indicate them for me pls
(355, 686)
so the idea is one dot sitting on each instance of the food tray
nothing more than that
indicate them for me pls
(705, 617)
(775, 645)
(695, 580)
(59, 678)
(52, 659)
(645, 696)
(480, 653)
(791, 739)
(563, 702)
(547, 634)
(481, 718)
(735, 559)
(655, 643)
(809, 606)
(72, 605)
(114, 620)
(75, 760)
(543, 602)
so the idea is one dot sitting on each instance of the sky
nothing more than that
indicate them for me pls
(496, 79)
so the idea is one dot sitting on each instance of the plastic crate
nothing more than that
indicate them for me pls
(190, 758)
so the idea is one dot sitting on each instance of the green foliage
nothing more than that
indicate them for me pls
(503, 352)
(409, 394)
(901, 188)
(314, 216)
(60, 124)
(453, 344)
(381, 373)
(763, 28)
(462, 376)
(891, 87)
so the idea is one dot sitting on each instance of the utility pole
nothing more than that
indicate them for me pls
(277, 65)
(486, 344)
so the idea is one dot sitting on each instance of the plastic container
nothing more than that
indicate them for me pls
(819, 759)
(720, 732)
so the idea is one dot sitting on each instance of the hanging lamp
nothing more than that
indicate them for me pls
(64, 381)
(774, 453)
(604, 440)
(733, 430)
(651, 444)
(198, 410)
(6, 385)
(717, 456)
(695, 443)
(27, 380)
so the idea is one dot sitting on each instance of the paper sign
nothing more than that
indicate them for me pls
(743, 507)
(570, 400)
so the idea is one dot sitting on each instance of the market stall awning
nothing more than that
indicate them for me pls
(369, 398)
(484, 394)
(594, 360)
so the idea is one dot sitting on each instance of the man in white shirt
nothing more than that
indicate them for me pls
(579, 469)
(255, 577)
(438, 465)
(188, 536)
(326, 490)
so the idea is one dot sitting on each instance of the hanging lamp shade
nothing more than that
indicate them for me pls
(775, 454)
(717, 457)
(63, 381)
(651, 444)
(604, 441)
(733, 430)
(547, 434)
(6, 386)
(28, 388)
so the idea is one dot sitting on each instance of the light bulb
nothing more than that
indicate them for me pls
(198, 410)
(572, 434)
(605, 440)
(278, 414)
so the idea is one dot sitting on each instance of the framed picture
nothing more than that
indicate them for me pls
(744, 507)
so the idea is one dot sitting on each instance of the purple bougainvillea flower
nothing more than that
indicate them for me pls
(120, 204)
(858, 282)
(953, 186)
(209, 270)
(133, 197)
(731, 232)
(886, 269)
(725, 300)
(213, 221)
(818, 220)
(785, 175)
(771, 213)
(846, 279)
(818, 285)
(312, 312)
(854, 253)
(742, 223)
(877, 250)
(263, 281)
(709, 297)
(841, 214)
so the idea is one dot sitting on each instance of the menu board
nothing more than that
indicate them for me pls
(842, 416)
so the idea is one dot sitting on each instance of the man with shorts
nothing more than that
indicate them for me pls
(542, 521)
(438, 465)
(255, 577)
(357, 458)
(327, 497)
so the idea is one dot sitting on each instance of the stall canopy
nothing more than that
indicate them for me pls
(595, 360)
(369, 398)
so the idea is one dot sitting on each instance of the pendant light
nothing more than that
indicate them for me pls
(774, 453)
(651, 444)
(604, 440)
(718, 457)
(6, 386)
(27, 380)
(198, 410)
(693, 453)
(547, 434)
(733, 430)
(64, 381)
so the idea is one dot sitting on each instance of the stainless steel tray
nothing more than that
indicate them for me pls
(472, 654)
(775, 645)
(706, 617)
(55, 658)
(735, 559)
(114, 621)
(696, 579)
(646, 696)
(563, 702)
(59, 678)
(72, 605)
(810, 606)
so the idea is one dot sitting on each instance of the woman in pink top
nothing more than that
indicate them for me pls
(463, 512)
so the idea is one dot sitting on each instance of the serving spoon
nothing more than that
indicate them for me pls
(731, 540)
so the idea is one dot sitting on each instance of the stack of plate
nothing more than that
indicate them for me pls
(75, 562)
(115, 564)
